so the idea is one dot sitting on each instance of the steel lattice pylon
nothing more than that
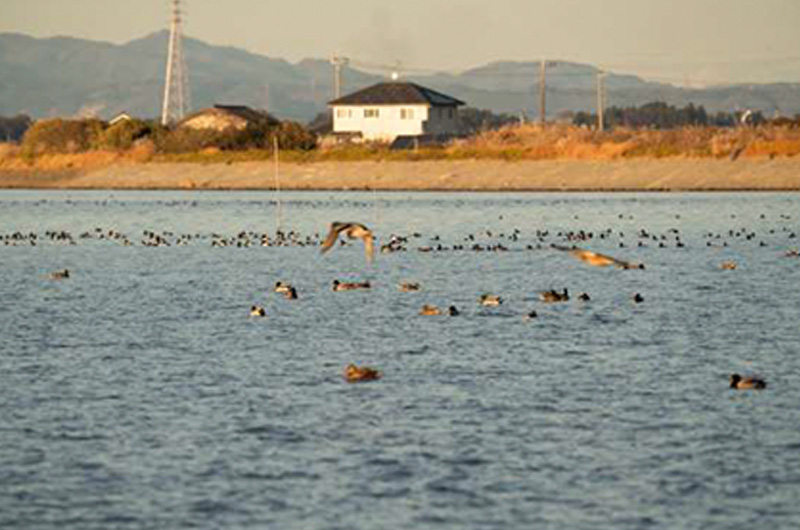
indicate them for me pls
(176, 85)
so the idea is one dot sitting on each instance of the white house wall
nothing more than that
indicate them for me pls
(392, 121)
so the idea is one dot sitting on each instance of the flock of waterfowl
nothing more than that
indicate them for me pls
(488, 241)
(353, 373)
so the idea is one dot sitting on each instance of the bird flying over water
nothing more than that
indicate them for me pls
(352, 231)
(598, 260)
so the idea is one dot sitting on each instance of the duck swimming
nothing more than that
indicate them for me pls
(351, 286)
(553, 296)
(290, 294)
(257, 311)
(409, 287)
(490, 300)
(282, 288)
(430, 310)
(747, 383)
(354, 374)
(60, 275)
(728, 265)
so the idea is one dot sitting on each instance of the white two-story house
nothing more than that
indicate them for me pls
(386, 111)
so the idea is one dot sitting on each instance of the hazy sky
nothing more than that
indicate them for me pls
(694, 42)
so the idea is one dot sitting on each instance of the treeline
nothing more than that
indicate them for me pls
(12, 129)
(75, 136)
(660, 115)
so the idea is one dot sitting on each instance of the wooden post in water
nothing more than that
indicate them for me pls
(279, 209)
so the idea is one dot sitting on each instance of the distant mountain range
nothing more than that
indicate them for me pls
(65, 76)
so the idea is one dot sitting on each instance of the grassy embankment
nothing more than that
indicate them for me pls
(520, 143)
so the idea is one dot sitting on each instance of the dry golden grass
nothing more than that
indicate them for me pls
(515, 143)
(64, 162)
(533, 142)
(9, 153)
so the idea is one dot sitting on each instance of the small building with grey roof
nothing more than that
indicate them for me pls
(387, 111)
(222, 117)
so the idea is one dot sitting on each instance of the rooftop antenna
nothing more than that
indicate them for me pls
(176, 85)
(398, 71)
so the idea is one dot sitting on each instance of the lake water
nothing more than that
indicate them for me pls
(139, 393)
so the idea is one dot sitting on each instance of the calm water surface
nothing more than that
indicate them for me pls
(140, 394)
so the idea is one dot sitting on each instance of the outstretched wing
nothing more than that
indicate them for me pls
(369, 246)
(593, 258)
(333, 235)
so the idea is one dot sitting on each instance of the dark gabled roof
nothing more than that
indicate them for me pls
(246, 113)
(397, 93)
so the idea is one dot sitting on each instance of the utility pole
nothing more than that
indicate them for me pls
(338, 63)
(542, 91)
(600, 99)
(176, 86)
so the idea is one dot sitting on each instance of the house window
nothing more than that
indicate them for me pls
(450, 113)
(406, 114)
(341, 113)
(371, 113)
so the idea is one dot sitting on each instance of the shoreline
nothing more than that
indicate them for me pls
(654, 175)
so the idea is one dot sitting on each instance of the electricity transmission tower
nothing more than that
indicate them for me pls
(176, 85)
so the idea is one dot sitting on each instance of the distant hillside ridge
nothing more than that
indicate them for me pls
(64, 76)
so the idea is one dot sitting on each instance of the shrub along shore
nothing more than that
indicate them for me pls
(527, 157)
